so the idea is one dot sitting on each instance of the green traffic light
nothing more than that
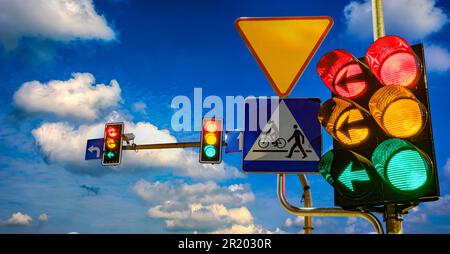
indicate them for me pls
(402, 164)
(110, 155)
(210, 151)
(350, 175)
(348, 172)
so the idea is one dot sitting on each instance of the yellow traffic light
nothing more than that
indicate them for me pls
(398, 111)
(345, 121)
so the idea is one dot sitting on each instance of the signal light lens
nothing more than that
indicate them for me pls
(342, 74)
(210, 139)
(112, 132)
(344, 131)
(402, 165)
(398, 111)
(210, 151)
(211, 126)
(349, 172)
(393, 62)
(111, 143)
(345, 121)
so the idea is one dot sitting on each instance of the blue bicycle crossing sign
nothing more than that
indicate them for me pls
(281, 135)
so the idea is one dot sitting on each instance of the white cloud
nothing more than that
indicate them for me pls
(437, 58)
(62, 143)
(19, 218)
(78, 97)
(61, 20)
(197, 216)
(299, 221)
(204, 207)
(247, 229)
(43, 217)
(411, 19)
(204, 193)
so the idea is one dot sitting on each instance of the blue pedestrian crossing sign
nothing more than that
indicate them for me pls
(94, 149)
(281, 135)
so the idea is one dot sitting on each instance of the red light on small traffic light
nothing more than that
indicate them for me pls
(393, 62)
(112, 132)
(210, 126)
(341, 72)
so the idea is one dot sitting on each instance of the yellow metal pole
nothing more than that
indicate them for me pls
(377, 19)
(308, 226)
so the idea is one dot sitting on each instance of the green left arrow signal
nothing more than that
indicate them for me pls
(347, 177)
(110, 155)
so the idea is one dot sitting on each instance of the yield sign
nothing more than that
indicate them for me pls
(283, 46)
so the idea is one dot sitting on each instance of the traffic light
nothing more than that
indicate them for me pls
(211, 141)
(112, 147)
(379, 118)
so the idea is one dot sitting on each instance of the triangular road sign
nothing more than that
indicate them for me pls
(283, 46)
(275, 145)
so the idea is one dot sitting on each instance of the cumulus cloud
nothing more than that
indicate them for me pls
(412, 19)
(77, 97)
(298, 221)
(18, 219)
(249, 229)
(198, 216)
(43, 217)
(70, 153)
(437, 58)
(61, 20)
(204, 207)
(204, 193)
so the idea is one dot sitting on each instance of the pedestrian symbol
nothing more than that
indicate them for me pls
(289, 142)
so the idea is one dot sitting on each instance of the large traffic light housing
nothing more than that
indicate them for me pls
(379, 118)
(211, 141)
(112, 146)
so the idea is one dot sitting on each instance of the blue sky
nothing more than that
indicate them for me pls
(146, 53)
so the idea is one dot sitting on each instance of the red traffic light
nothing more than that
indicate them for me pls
(210, 126)
(111, 131)
(341, 72)
(393, 62)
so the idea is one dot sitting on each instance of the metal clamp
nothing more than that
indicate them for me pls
(323, 212)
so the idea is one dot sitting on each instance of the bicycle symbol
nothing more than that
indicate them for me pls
(279, 143)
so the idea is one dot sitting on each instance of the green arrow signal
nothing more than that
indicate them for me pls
(110, 155)
(347, 177)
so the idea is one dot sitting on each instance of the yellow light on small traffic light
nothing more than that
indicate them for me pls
(111, 143)
(210, 139)
(398, 111)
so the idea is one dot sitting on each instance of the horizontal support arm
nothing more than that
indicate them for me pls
(164, 146)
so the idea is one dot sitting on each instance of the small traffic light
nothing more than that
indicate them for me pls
(383, 149)
(112, 147)
(211, 141)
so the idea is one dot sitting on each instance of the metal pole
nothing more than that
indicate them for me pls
(324, 212)
(308, 226)
(377, 19)
(393, 219)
